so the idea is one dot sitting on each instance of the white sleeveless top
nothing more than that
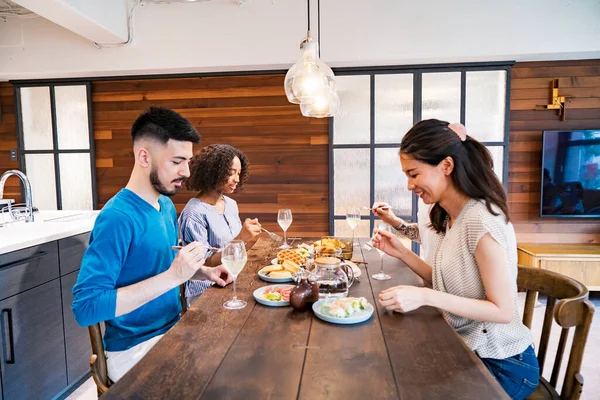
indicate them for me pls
(455, 271)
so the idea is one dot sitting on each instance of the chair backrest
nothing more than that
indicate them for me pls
(98, 358)
(572, 310)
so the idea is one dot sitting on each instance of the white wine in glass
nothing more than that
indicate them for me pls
(234, 259)
(284, 218)
(353, 219)
(380, 276)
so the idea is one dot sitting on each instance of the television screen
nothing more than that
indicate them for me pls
(570, 176)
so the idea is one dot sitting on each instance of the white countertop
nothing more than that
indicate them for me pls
(46, 228)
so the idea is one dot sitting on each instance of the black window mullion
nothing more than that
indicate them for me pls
(55, 144)
(372, 149)
(331, 179)
(506, 130)
(463, 96)
(20, 138)
(417, 115)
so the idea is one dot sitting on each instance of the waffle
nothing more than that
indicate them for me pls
(290, 254)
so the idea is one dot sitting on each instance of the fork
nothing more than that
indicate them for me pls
(272, 235)
(371, 209)
(204, 245)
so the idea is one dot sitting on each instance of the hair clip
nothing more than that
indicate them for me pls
(460, 130)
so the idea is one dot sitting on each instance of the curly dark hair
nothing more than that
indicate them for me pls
(211, 167)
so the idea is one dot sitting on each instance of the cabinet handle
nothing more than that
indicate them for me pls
(33, 257)
(10, 335)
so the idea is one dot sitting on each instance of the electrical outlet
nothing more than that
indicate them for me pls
(13, 154)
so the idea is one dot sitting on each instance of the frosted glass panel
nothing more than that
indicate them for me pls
(352, 124)
(391, 183)
(486, 105)
(393, 107)
(498, 157)
(37, 118)
(351, 179)
(342, 229)
(75, 181)
(72, 117)
(40, 171)
(441, 96)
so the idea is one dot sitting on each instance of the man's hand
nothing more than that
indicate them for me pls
(218, 275)
(187, 262)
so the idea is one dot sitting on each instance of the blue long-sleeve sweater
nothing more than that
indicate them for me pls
(131, 241)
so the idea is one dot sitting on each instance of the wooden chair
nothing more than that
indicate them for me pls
(572, 310)
(98, 358)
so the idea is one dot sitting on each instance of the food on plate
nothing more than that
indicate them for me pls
(278, 271)
(280, 274)
(305, 250)
(277, 293)
(329, 243)
(270, 268)
(290, 266)
(344, 308)
(291, 255)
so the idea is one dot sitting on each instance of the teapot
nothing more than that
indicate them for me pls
(333, 276)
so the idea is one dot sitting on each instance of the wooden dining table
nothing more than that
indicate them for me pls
(262, 352)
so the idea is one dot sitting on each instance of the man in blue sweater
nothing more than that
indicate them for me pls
(129, 275)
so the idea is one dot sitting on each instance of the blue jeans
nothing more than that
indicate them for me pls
(518, 375)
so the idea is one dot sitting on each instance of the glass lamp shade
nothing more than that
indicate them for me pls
(325, 105)
(309, 76)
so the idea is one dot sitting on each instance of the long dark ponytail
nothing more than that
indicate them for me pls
(430, 141)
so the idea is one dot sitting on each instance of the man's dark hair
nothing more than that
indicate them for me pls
(162, 124)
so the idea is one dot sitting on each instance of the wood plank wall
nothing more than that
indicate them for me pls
(288, 152)
(579, 80)
(8, 140)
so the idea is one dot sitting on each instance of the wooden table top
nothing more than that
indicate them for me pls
(262, 352)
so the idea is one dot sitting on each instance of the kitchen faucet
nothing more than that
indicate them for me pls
(27, 187)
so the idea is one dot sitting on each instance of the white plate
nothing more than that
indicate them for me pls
(274, 261)
(267, 278)
(357, 318)
(258, 293)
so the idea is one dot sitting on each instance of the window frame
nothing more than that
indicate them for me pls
(55, 151)
(417, 71)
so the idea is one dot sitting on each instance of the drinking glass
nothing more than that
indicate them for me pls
(353, 219)
(380, 276)
(284, 218)
(234, 259)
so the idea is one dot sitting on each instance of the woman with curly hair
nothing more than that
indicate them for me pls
(211, 217)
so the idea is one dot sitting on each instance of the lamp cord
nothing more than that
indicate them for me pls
(308, 7)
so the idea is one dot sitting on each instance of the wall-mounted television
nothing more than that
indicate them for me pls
(570, 174)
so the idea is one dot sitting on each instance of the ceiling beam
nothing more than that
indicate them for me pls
(101, 21)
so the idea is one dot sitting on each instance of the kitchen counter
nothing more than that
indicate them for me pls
(48, 226)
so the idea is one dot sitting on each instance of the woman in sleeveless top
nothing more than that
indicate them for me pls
(473, 274)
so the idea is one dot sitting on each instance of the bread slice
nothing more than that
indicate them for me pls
(291, 266)
(271, 268)
(280, 274)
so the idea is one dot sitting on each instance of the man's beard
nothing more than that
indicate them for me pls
(158, 185)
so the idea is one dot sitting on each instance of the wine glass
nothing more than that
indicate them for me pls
(380, 276)
(284, 218)
(353, 219)
(234, 259)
